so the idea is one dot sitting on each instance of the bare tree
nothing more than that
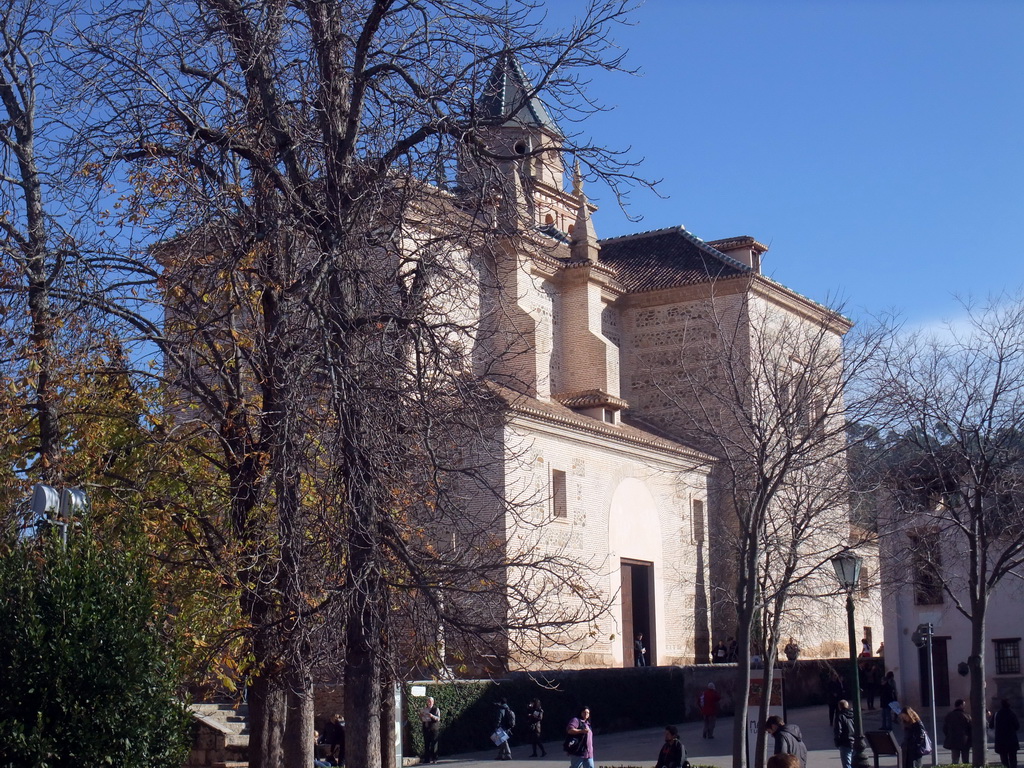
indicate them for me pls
(38, 248)
(955, 469)
(767, 385)
(295, 161)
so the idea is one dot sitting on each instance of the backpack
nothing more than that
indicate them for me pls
(574, 745)
(509, 721)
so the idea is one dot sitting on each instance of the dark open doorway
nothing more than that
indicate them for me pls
(940, 659)
(637, 610)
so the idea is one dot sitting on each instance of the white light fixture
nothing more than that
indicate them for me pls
(45, 500)
(72, 502)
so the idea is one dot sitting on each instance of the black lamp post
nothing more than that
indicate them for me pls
(847, 567)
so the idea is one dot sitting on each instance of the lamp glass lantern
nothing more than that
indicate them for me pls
(847, 566)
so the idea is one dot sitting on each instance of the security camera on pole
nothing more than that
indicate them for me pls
(922, 638)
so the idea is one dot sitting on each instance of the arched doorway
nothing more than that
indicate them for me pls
(634, 540)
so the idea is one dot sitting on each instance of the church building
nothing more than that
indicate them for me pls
(593, 435)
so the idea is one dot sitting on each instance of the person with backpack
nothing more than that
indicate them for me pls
(505, 721)
(579, 742)
(788, 738)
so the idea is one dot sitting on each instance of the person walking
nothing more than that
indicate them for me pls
(1006, 726)
(844, 733)
(916, 743)
(886, 697)
(334, 735)
(956, 733)
(672, 752)
(430, 721)
(788, 738)
(506, 721)
(639, 651)
(836, 691)
(707, 703)
(534, 718)
(869, 682)
(580, 726)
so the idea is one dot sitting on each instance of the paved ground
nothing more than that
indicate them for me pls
(641, 747)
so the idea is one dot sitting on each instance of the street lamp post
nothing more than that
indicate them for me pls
(847, 566)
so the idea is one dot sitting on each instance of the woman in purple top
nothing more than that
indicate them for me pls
(580, 726)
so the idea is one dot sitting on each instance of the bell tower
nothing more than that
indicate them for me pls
(521, 137)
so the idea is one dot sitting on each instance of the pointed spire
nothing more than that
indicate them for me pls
(584, 245)
(577, 180)
(508, 93)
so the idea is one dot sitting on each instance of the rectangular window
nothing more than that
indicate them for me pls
(927, 564)
(866, 580)
(697, 522)
(559, 494)
(1007, 656)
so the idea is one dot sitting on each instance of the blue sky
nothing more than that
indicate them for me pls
(877, 147)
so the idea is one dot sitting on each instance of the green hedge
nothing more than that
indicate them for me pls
(619, 700)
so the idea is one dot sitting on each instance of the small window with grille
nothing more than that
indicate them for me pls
(1008, 656)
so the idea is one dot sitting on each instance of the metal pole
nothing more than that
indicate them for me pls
(931, 688)
(860, 759)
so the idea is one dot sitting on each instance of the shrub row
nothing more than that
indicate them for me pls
(619, 700)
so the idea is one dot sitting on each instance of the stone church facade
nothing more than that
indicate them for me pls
(592, 439)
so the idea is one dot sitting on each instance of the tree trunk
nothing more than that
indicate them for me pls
(299, 727)
(362, 702)
(267, 702)
(767, 679)
(976, 664)
(745, 617)
(387, 722)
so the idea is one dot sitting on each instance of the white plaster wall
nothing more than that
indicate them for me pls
(624, 502)
(1005, 621)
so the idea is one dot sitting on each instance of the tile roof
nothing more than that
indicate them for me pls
(557, 413)
(509, 93)
(666, 258)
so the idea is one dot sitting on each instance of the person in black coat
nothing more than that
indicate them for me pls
(672, 752)
(1006, 725)
(886, 696)
(844, 733)
(915, 739)
(836, 691)
(534, 720)
(956, 733)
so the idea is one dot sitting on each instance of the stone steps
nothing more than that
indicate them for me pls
(221, 736)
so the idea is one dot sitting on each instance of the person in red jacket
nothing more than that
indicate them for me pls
(707, 703)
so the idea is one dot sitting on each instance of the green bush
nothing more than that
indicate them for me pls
(86, 680)
(619, 699)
